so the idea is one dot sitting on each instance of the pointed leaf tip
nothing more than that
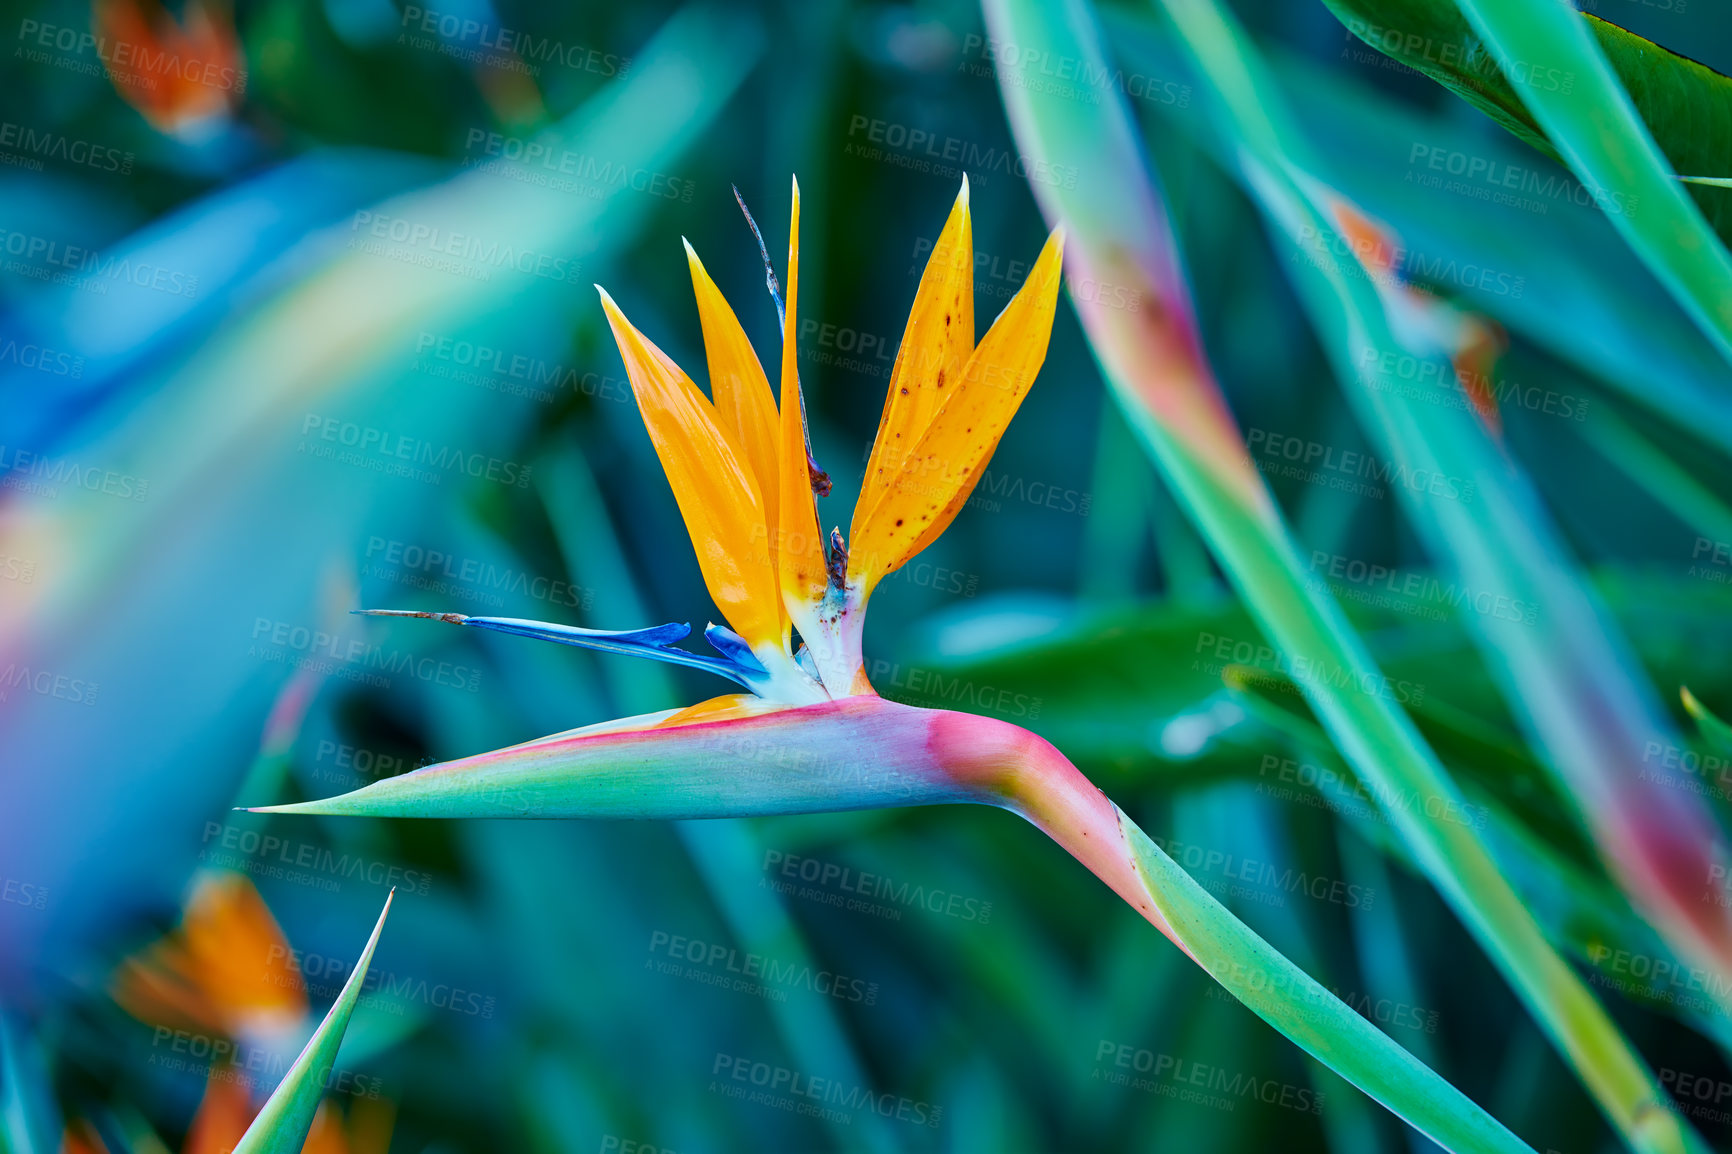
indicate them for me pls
(282, 1125)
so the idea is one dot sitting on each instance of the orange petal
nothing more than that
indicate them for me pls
(80, 1138)
(717, 494)
(326, 1135)
(371, 1121)
(927, 485)
(1473, 343)
(222, 1119)
(799, 548)
(728, 707)
(179, 73)
(744, 405)
(226, 968)
(935, 347)
(239, 952)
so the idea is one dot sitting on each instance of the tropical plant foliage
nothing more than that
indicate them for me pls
(1286, 449)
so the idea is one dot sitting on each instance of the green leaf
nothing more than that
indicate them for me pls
(1564, 278)
(1119, 233)
(1687, 106)
(1711, 726)
(1563, 666)
(281, 1126)
(1622, 112)
(790, 760)
(1287, 998)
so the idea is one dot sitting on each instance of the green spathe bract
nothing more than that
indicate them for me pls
(281, 1126)
(865, 752)
(800, 760)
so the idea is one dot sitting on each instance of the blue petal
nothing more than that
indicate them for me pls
(733, 647)
(656, 641)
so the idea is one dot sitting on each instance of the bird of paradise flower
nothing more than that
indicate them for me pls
(811, 734)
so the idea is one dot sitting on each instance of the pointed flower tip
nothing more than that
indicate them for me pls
(425, 615)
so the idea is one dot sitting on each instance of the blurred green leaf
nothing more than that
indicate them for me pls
(1687, 106)
(282, 1124)
(1712, 727)
(1120, 233)
(1290, 1000)
(1560, 277)
(1572, 85)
